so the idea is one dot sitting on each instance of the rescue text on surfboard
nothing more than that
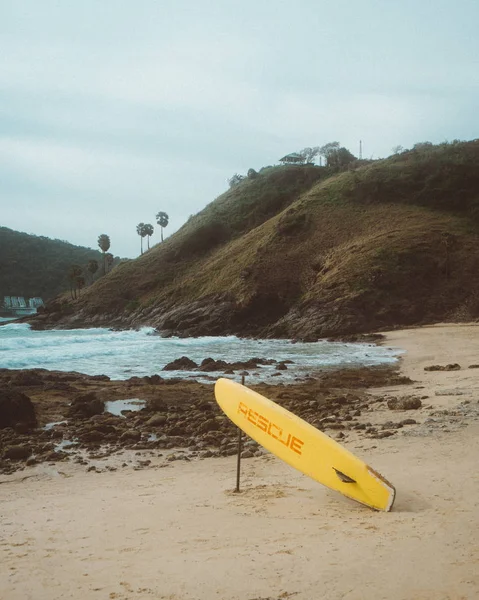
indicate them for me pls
(276, 432)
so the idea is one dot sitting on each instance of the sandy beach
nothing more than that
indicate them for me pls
(177, 531)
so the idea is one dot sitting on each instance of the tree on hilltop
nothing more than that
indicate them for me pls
(162, 220)
(148, 229)
(336, 156)
(92, 268)
(104, 244)
(109, 260)
(140, 230)
(235, 180)
(309, 154)
(75, 275)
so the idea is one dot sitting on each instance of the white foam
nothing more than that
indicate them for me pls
(123, 354)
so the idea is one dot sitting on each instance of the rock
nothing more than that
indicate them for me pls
(408, 422)
(391, 425)
(19, 452)
(473, 367)
(27, 378)
(383, 434)
(181, 364)
(55, 456)
(92, 436)
(449, 367)
(132, 435)
(15, 408)
(209, 364)
(405, 403)
(209, 425)
(177, 430)
(206, 454)
(247, 454)
(335, 426)
(155, 405)
(157, 420)
(87, 405)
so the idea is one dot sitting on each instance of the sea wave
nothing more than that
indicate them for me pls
(123, 353)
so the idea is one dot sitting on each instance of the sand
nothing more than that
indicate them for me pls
(177, 531)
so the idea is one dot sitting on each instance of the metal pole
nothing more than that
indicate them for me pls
(238, 457)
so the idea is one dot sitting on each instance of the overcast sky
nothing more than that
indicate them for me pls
(112, 110)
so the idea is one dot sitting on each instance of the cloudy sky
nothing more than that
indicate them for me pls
(112, 110)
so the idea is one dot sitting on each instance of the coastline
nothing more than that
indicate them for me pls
(175, 530)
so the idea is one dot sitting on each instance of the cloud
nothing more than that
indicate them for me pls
(120, 110)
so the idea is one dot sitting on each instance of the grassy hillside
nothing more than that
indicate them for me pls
(301, 252)
(33, 265)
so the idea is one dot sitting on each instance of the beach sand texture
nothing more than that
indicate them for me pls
(177, 531)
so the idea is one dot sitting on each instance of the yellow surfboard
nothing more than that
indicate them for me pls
(303, 446)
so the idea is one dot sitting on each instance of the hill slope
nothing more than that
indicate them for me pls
(297, 252)
(34, 265)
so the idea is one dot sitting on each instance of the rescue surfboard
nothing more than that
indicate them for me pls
(303, 446)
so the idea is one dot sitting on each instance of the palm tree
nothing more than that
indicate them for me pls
(148, 229)
(162, 220)
(92, 268)
(104, 243)
(109, 260)
(74, 275)
(140, 230)
(80, 283)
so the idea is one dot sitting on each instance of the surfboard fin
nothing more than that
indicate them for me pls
(344, 478)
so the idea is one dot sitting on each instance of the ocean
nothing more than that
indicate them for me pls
(124, 354)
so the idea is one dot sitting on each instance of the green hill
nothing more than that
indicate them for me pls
(301, 252)
(33, 265)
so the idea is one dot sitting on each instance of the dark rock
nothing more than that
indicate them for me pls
(27, 378)
(19, 452)
(92, 436)
(206, 454)
(157, 420)
(177, 430)
(209, 364)
(405, 403)
(155, 380)
(408, 422)
(391, 425)
(155, 405)
(449, 367)
(383, 434)
(55, 456)
(181, 364)
(86, 405)
(247, 453)
(209, 425)
(335, 426)
(132, 435)
(16, 407)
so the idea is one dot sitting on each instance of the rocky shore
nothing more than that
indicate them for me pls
(51, 416)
